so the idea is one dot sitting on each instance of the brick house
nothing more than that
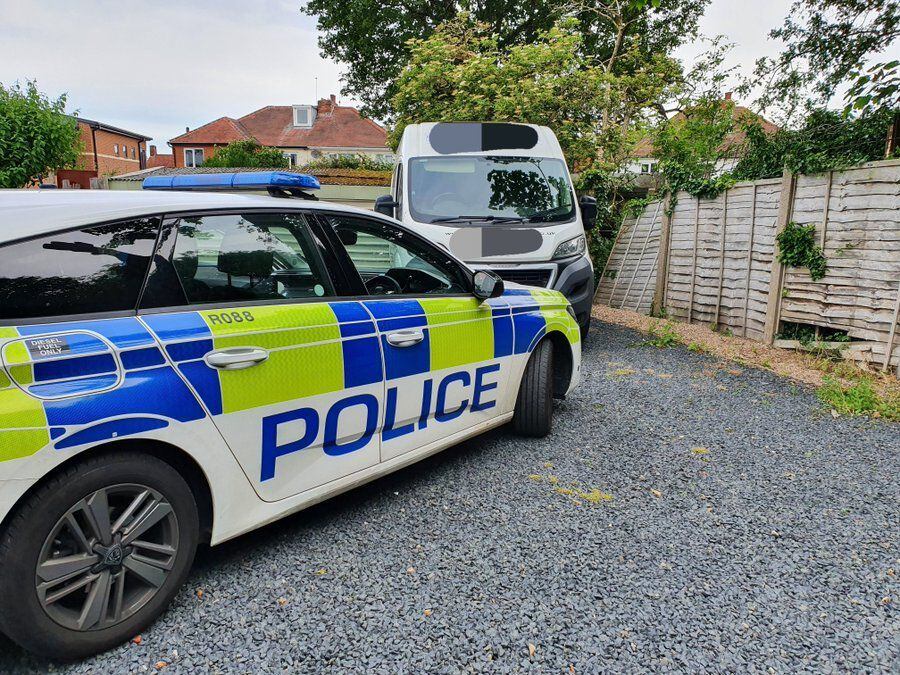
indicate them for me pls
(156, 160)
(110, 150)
(301, 132)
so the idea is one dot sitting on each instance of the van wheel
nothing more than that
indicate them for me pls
(585, 326)
(96, 554)
(534, 407)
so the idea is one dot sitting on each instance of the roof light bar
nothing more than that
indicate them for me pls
(248, 180)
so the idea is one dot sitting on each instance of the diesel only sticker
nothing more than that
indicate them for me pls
(47, 347)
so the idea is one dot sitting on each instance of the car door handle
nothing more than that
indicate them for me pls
(236, 358)
(405, 338)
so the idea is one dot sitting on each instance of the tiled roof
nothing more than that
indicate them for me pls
(223, 130)
(335, 126)
(167, 161)
(644, 147)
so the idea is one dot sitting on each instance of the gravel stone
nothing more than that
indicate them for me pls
(776, 550)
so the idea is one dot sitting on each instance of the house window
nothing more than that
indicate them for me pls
(133, 154)
(193, 156)
(650, 166)
(292, 158)
(304, 115)
(116, 148)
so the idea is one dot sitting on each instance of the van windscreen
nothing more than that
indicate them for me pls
(466, 188)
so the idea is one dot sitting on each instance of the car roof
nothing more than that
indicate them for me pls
(27, 213)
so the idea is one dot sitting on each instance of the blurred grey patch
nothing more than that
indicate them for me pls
(450, 137)
(510, 242)
(478, 242)
(466, 243)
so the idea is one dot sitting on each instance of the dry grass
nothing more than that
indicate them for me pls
(799, 366)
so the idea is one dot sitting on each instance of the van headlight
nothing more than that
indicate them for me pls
(571, 247)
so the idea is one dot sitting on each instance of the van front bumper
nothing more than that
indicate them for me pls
(573, 277)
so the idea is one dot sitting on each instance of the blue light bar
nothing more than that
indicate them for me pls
(248, 180)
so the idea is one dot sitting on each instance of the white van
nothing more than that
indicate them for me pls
(499, 196)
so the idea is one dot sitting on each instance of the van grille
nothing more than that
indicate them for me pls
(526, 277)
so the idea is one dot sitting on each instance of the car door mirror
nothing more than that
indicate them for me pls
(386, 206)
(588, 207)
(486, 285)
(347, 237)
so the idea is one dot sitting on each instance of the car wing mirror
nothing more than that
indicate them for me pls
(386, 205)
(486, 284)
(347, 237)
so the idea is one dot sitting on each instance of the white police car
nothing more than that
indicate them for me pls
(179, 367)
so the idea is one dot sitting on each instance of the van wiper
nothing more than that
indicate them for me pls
(543, 216)
(485, 219)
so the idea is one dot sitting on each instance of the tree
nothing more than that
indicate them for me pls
(247, 153)
(462, 73)
(372, 37)
(36, 136)
(691, 145)
(830, 43)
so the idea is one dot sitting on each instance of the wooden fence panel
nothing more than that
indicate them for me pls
(629, 277)
(857, 218)
(721, 254)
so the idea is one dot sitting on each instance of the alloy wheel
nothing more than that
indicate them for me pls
(107, 557)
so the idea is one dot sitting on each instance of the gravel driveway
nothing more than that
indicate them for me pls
(684, 515)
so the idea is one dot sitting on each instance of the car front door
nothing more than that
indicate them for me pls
(447, 354)
(261, 340)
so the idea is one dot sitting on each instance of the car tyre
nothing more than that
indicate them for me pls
(533, 414)
(37, 536)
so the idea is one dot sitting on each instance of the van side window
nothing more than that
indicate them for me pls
(94, 269)
(246, 257)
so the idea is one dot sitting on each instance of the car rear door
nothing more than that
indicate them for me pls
(447, 355)
(79, 368)
(291, 376)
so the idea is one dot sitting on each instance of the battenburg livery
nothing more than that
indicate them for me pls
(182, 365)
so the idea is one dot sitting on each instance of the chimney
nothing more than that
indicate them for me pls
(326, 105)
(152, 150)
(727, 95)
(187, 129)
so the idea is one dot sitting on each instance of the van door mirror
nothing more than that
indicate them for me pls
(486, 285)
(588, 207)
(386, 206)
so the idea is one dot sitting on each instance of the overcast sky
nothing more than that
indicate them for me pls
(157, 67)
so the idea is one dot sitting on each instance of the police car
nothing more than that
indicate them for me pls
(181, 367)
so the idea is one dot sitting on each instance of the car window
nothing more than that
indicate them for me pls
(245, 257)
(390, 261)
(94, 269)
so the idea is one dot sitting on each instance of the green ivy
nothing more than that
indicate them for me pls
(826, 141)
(797, 248)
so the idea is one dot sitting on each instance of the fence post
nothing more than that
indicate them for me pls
(776, 281)
(750, 257)
(889, 346)
(722, 258)
(662, 270)
(690, 314)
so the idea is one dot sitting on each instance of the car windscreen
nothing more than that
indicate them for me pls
(467, 188)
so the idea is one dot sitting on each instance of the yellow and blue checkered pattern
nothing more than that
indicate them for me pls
(314, 348)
